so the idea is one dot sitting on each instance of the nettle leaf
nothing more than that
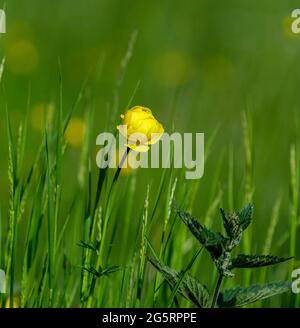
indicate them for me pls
(212, 241)
(226, 222)
(256, 261)
(245, 216)
(190, 288)
(192, 223)
(239, 296)
(195, 292)
(231, 224)
(235, 224)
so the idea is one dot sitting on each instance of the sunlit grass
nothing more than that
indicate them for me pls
(73, 235)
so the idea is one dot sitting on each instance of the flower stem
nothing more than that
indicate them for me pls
(107, 214)
(121, 164)
(217, 291)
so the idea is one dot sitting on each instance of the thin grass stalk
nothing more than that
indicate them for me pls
(141, 271)
(51, 250)
(128, 213)
(294, 199)
(294, 195)
(11, 240)
(249, 184)
(267, 249)
(109, 202)
(183, 274)
(231, 179)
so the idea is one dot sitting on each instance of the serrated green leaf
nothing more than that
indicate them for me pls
(190, 288)
(255, 261)
(211, 240)
(232, 226)
(245, 216)
(226, 222)
(239, 296)
(235, 224)
(194, 291)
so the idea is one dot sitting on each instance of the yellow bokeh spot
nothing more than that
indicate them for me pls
(22, 57)
(41, 116)
(173, 69)
(141, 128)
(75, 132)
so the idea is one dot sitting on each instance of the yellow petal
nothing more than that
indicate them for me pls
(139, 120)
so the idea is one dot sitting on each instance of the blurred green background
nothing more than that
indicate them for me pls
(200, 64)
(210, 60)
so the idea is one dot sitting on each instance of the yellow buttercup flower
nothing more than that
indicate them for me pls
(140, 128)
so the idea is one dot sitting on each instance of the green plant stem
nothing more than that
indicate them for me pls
(184, 272)
(121, 164)
(217, 291)
(117, 174)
